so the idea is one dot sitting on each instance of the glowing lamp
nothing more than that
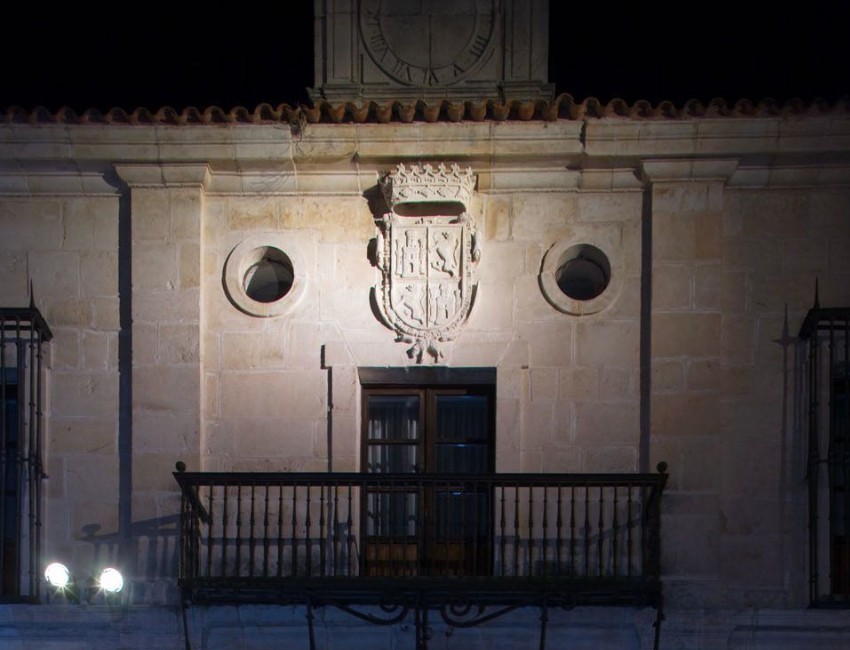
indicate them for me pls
(111, 580)
(57, 575)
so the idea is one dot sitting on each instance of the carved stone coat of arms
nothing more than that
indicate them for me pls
(426, 250)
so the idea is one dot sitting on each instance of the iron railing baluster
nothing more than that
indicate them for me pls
(502, 531)
(572, 530)
(587, 530)
(472, 531)
(350, 536)
(280, 543)
(210, 530)
(629, 529)
(266, 540)
(445, 534)
(308, 545)
(614, 530)
(559, 543)
(530, 524)
(251, 537)
(545, 535)
(516, 532)
(238, 538)
(600, 544)
(322, 535)
(224, 522)
(294, 532)
(386, 529)
(363, 526)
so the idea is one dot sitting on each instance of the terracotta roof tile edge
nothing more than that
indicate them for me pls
(563, 107)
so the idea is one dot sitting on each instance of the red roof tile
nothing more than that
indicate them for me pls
(563, 107)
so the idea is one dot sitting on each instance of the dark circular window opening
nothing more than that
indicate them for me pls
(583, 272)
(270, 278)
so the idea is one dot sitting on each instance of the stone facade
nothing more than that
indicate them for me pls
(139, 238)
(711, 256)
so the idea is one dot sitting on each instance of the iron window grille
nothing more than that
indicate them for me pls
(827, 333)
(23, 334)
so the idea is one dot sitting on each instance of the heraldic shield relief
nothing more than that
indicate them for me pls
(426, 250)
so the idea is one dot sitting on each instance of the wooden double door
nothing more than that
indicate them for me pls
(434, 517)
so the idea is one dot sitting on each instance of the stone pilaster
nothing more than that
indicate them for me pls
(166, 204)
(686, 217)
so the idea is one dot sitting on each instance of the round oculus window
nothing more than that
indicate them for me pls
(263, 280)
(577, 278)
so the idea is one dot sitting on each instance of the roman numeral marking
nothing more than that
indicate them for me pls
(478, 45)
(378, 44)
(402, 70)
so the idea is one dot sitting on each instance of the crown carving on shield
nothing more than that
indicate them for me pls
(428, 184)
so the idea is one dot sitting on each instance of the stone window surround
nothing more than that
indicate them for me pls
(247, 253)
(553, 260)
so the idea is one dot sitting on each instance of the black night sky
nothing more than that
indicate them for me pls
(153, 55)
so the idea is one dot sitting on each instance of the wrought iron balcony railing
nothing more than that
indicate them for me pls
(366, 538)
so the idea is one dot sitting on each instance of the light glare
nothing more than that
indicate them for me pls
(57, 575)
(111, 580)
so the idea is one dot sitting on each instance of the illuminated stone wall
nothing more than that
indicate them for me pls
(64, 240)
(687, 357)
(559, 377)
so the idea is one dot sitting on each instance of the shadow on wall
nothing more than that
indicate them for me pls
(151, 562)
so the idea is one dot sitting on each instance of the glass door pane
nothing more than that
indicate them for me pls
(393, 445)
(462, 443)
(393, 433)
(460, 524)
(393, 417)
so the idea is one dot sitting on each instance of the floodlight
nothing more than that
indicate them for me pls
(57, 575)
(111, 580)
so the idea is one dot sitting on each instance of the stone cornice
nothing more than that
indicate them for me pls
(275, 146)
(787, 176)
(660, 171)
(56, 183)
(717, 138)
(164, 174)
(330, 158)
